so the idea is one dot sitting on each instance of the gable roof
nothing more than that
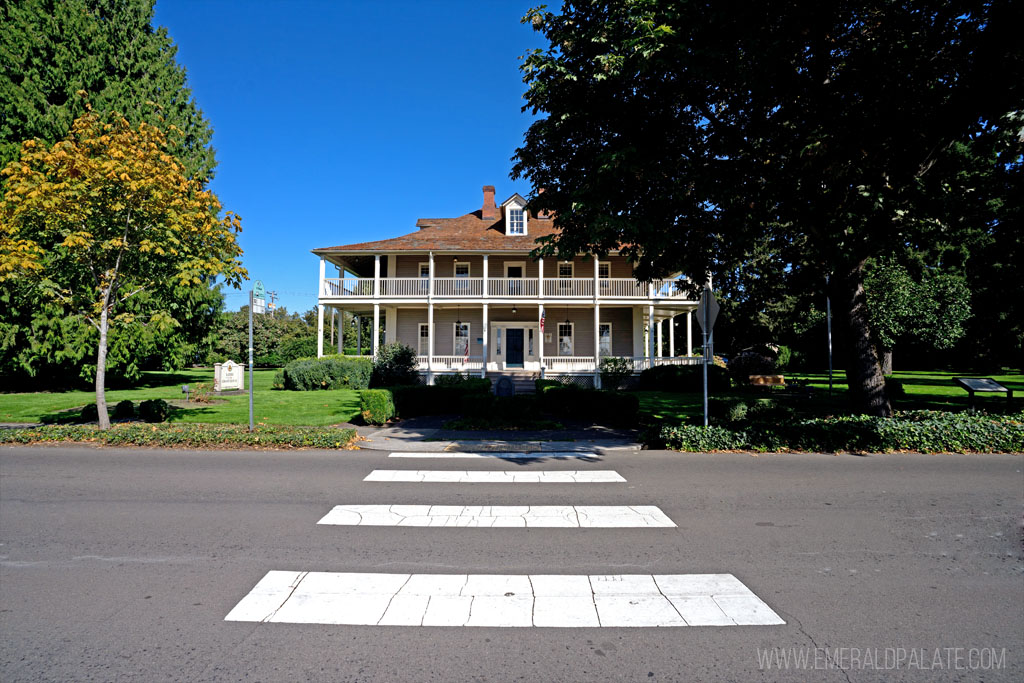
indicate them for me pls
(465, 233)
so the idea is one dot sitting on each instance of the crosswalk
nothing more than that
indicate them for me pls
(501, 600)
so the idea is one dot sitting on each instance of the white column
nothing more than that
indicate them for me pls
(430, 339)
(672, 336)
(597, 340)
(650, 332)
(376, 275)
(540, 278)
(689, 333)
(660, 346)
(333, 316)
(540, 347)
(376, 328)
(597, 273)
(319, 330)
(323, 273)
(486, 287)
(359, 334)
(484, 329)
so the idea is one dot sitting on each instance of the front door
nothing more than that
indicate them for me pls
(514, 352)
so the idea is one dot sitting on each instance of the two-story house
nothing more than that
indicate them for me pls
(465, 293)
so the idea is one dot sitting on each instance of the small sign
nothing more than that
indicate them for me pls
(258, 290)
(979, 384)
(707, 309)
(259, 306)
(228, 376)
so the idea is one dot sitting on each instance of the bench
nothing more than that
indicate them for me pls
(767, 381)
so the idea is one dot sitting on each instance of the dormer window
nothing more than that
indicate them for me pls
(516, 222)
(516, 218)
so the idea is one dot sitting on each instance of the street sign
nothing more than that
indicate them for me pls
(258, 290)
(259, 306)
(707, 310)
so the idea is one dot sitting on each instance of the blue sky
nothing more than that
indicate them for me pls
(338, 122)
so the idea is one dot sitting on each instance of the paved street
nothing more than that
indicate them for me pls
(647, 566)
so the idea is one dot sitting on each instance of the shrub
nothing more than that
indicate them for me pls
(464, 382)
(683, 378)
(750, 363)
(541, 385)
(278, 382)
(297, 347)
(329, 372)
(377, 406)
(785, 354)
(590, 404)
(90, 413)
(615, 371)
(477, 404)
(698, 439)
(154, 410)
(394, 365)
(124, 410)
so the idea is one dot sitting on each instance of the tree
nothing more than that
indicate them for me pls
(107, 215)
(109, 49)
(932, 310)
(689, 131)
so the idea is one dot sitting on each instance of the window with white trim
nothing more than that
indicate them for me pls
(424, 340)
(425, 269)
(497, 350)
(604, 339)
(461, 270)
(460, 339)
(565, 339)
(529, 347)
(604, 270)
(516, 221)
(565, 269)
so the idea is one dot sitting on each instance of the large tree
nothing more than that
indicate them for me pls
(690, 131)
(106, 216)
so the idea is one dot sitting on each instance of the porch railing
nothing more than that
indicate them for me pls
(458, 286)
(404, 286)
(569, 286)
(511, 286)
(569, 363)
(554, 288)
(640, 363)
(460, 363)
(622, 287)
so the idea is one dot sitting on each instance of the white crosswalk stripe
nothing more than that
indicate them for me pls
(510, 600)
(494, 516)
(496, 477)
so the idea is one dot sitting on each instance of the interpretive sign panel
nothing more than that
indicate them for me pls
(228, 376)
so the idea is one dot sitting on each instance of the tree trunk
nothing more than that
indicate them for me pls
(886, 361)
(863, 370)
(101, 370)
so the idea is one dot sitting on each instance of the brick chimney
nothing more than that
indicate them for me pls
(542, 214)
(490, 209)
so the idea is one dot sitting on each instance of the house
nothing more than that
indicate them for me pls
(465, 293)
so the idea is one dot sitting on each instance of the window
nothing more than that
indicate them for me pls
(516, 222)
(424, 277)
(604, 270)
(497, 350)
(460, 342)
(425, 269)
(424, 341)
(565, 269)
(529, 346)
(604, 339)
(564, 339)
(461, 270)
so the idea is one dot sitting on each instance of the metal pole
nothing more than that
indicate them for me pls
(704, 314)
(828, 317)
(250, 360)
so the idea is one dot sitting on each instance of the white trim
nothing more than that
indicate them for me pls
(572, 338)
(572, 269)
(469, 337)
(455, 269)
(420, 339)
(599, 326)
(516, 206)
(521, 264)
(604, 263)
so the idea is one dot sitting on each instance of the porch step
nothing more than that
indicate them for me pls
(522, 381)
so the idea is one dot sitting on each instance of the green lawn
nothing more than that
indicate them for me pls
(270, 406)
(931, 390)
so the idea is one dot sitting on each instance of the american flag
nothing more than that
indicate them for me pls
(543, 314)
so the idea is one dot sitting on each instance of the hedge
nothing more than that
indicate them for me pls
(185, 434)
(419, 399)
(329, 372)
(921, 431)
(683, 378)
(610, 407)
(376, 405)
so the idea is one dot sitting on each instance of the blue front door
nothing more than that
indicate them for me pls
(514, 353)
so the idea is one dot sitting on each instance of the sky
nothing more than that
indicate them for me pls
(341, 122)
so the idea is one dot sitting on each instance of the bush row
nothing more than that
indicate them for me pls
(153, 410)
(597, 405)
(192, 435)
(329, 372)
(920, 431)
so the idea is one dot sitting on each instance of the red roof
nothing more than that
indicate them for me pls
(465, 233)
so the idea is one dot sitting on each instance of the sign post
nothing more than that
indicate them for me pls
(251, 299)
(708, 309)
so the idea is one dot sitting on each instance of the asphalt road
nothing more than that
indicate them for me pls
(121, 565)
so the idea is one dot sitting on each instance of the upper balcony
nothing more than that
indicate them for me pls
(501, 288)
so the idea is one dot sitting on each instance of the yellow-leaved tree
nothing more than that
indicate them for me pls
(106, 214)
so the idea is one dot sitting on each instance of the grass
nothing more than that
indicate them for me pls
(270, 406)
(926, 390)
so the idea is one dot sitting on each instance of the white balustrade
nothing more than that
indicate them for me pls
(404, 286)
(454, 363)
(458, 286)
(569, 363)
(670, 289)
(569, 287)
(348, 286)
(625, 287)
(512, 286)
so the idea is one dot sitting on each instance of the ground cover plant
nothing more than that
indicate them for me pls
(190, 435)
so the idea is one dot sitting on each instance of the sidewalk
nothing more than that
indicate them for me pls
(426, 435)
